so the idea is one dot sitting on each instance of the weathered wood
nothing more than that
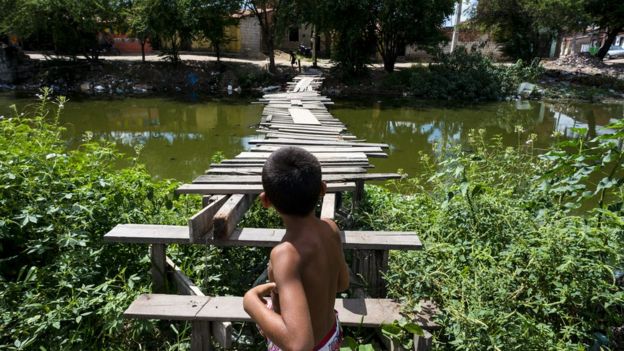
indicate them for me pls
(324, 156)
(148, 234)
(258, 170)
(358, 194)
(423, 342)
(221, 331)
(200, 336)
(303, 116)
(321, 149)
(158, 267)
(261, 237)
(371, 265)
(257, 179)
(202, 222)
(305, 127)
(352, 312)
(230, 214)
(294, 135)
(184, 285)
(287, 141)
(167, 307)
(269, 118)
(224, 189)
(328, 208)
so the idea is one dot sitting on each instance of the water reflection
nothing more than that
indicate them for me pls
(178, 138)
(411, 129)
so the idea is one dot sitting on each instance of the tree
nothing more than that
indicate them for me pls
(138, 23)
(272, 16)
(355, 37)
(402, 22)
(526, 28)
(609, 15)
(213, 16)
(73, 27)
(172, 21)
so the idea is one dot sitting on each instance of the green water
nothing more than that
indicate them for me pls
(179, 137)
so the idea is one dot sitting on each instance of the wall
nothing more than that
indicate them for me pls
(250, 37)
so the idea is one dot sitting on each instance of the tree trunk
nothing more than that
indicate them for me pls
(314, 48)
(607, 44)
(217, 48)
(328, 44)
(271, 52)
(389, 59)
(143, 50)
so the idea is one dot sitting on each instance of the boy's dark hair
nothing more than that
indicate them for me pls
(292, 178)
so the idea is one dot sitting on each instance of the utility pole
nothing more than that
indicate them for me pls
(456, 27)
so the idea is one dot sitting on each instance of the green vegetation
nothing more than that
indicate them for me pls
(465, 76)
(521, 251)
(506, 257)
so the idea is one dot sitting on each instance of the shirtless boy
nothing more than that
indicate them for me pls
(307, 268)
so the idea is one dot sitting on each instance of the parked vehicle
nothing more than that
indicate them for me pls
(615, 51)
(305, 51)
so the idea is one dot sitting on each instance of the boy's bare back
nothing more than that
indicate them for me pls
(316, 253)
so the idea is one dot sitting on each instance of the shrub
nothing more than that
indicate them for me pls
(470, 76)
(510, 266)
(60, 286)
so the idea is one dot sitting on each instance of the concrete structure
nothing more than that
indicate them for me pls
(471, 39)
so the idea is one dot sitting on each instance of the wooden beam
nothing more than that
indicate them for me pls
(202, 222)
(287, 141)
(225, 189)
(243, 170)
(328, 208)
(321, 149)
(352, 312)
(231, 213)
(260, 237)
(257, 179)
(158, 267)
(302, 116)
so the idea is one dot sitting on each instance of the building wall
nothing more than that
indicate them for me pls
(250, 37)
(127, 45)
(470, 39)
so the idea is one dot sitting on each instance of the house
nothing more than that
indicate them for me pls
(246, 39)
(592, 37)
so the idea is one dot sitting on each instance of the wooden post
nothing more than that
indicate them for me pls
(358, 194)
(422, 343)
(371, 265)
(158, 270)
(200, 336)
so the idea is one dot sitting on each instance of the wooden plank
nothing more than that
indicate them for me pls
(274, 134)
(319, 155)
(305, 131)
(262, 237)
(286, 141)
(352, 312)
(352, 240)
(183, 283)
(305, 127)
(296, 102)
(269, 118)
(257, 179)
(224, 189)
(202, 222)
(168, 307)
(259, 162)
(321, 149)
(258, 170)
(230, 214)
(303, 116)
(148, 234)
(328, 208)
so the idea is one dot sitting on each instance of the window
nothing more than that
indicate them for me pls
(293, 34)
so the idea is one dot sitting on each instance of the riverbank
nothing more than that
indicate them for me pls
(200, 76)
(108, 78)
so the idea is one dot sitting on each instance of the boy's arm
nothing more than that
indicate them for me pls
(292, 329)
(343, 273)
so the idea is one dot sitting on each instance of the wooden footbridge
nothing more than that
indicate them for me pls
(297, 117)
